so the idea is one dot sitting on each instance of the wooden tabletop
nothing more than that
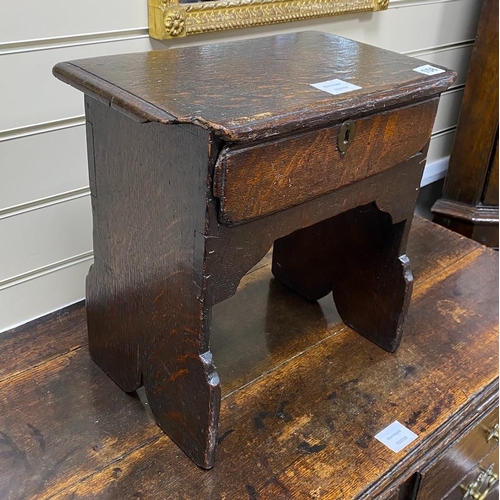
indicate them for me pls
(254, 88)
(303, 395)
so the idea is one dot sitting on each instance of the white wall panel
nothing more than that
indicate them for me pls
(41, 237)
(438, 157)
(413, 26)
(28, 20)
(32, 95)
(33, 298)
(42, 165)
(448, 110)
(435, 171)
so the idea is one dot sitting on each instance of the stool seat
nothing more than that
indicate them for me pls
(203, 158)
(255, 89)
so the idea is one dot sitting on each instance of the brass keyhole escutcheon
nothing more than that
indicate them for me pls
(346, 136)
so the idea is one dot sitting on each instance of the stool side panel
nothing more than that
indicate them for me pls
(146, 315)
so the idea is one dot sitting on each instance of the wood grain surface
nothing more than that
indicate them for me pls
(156, 124)
(231, 251)
(34, 343)
(477, 128)
(147, 318)
(491, 459)
(258, 180)
(470, 195)
(491, 190)
(350, 255)
(303, 395)
(245, 90)
(162, 260)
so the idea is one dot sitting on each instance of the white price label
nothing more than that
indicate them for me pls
(396, 436)
(427, 69)
(335, 87)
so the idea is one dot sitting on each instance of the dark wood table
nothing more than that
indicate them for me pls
(302, 398)
(203, 158)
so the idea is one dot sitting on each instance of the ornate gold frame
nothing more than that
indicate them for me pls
(171, 19)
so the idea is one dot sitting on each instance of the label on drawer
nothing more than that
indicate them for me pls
(335, 87)
(427, 69)
(396, 436)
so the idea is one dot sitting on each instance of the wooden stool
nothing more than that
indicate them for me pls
(202, 158)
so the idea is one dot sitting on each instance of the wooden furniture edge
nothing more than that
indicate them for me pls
(479, 214)
(105, 92)
(314, 117)
(472, 411)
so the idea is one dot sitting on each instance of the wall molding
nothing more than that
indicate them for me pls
(41, 128)
(396, 4)
(35, 298)
(439, 48)
(44, 202)
(453, 90)
(42, 271)
(59, 42)
(446, 131)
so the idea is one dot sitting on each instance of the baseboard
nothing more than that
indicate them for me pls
(435, 171)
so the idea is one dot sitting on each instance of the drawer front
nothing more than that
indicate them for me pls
(481, 482)
(450, 468)
(257, 180)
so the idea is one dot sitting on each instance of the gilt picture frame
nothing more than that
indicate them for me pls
(175, 19)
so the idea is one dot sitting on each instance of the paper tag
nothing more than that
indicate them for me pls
(396, 436)
(335, 87)
(427, 69)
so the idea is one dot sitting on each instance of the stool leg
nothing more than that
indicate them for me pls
(113, 328)
(301, 260)
(158, 337)
(372, 279)
(359, 255)
(180, 379)
(148, 313)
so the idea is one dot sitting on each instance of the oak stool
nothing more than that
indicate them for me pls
(201, 158)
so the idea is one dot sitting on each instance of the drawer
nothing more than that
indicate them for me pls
(452, 466)
(256, 180)
(480, 482)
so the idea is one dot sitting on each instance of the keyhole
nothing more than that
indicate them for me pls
(346, 136)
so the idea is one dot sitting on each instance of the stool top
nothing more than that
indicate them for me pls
(256, 88)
